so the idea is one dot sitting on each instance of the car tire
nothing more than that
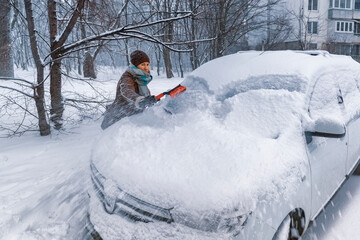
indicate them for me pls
(96, 236)
(291, 227)
(357, 170)
(91, 232)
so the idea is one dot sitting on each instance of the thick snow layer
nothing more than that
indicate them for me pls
(212, 169)
(232, 125)
(43, 184)
(243, 65)
(242, 114)
(340, 219)
(44, 180)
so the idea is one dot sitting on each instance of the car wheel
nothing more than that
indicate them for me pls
(96, 236)
(91, 232)
(291, 227)
(357, 170)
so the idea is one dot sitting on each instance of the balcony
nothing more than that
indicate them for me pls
(343, 14)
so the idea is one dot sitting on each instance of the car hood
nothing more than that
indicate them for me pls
(208, 158)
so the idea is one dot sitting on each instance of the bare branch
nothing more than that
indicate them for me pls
(86, 101)
(148, 37)
(71, 23)
(119, 31)
(16, 79)
(17, 90)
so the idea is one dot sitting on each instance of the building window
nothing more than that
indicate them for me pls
(357, 28)
(313, 5)
(344, 27)
(345, 4)
(313, 27)
(355, 50)
(357, 4)
(312, 46)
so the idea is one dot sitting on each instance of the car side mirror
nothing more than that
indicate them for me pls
(326, 127)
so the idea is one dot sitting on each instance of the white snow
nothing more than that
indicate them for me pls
(209, 164)
(44, 180)
(243, 65)
(233, 123)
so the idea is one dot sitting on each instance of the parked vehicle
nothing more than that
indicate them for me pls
(254, 149)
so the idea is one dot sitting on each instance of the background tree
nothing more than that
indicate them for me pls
(6, 60)
(39, 88)
(79, 34)
(57, 103)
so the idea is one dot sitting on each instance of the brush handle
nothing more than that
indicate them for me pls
(159, 96)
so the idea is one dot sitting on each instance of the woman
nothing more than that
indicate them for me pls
(132, 93)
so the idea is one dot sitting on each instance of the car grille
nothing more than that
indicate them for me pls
(129, 206)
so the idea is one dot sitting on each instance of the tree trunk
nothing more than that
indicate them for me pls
(167, 62)
(40, 103)
(193, 55)
(181, 66)
(168, 37)
(89, 59)
(127, 52)
(221, 30)
(57, 103)
(39, 91)
(158, 59)
(6, 60)
(88, 66)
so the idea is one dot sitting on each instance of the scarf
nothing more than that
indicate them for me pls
(142, 79)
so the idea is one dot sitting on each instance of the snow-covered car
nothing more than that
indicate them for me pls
(254, 149)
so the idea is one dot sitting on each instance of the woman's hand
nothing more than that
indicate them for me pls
(147, 101)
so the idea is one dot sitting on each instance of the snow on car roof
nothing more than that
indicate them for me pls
(242, 65)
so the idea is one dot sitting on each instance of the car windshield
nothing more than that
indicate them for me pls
(291, 83)
(262, 104)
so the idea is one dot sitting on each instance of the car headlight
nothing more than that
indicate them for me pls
(117, 201)
(111, 194)
(234, 224)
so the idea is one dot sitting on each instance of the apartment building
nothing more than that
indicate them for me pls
(332, 25)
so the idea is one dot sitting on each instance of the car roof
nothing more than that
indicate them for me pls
(307, 65)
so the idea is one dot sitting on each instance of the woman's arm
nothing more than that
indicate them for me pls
(127, 88)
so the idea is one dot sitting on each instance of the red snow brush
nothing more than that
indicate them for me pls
(174, 93)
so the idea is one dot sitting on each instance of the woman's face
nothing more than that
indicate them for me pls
(145, 66)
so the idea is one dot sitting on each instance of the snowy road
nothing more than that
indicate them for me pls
(43, 182)
(341, 218)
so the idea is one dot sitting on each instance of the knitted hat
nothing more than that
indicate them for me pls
(137, 57)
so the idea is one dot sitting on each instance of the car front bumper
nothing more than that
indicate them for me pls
(113, 226)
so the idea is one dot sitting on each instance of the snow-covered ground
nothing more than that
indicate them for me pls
(44, 182)
(341, 218)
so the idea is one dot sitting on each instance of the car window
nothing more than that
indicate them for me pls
(351, 94)
(335, 95)
(357, 79)
(291, 83)
(327, 98)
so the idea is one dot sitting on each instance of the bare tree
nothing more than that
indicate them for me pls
(39, 88)
(98, 17)
(183, 35)
(57, 103)
(6, 60)
(230, 20)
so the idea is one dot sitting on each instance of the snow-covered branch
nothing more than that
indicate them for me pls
(67, 30)
(17, 90)
(119, 31)
(17, 79)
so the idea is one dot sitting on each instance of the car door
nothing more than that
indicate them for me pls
(327, 155)
(352, 103)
